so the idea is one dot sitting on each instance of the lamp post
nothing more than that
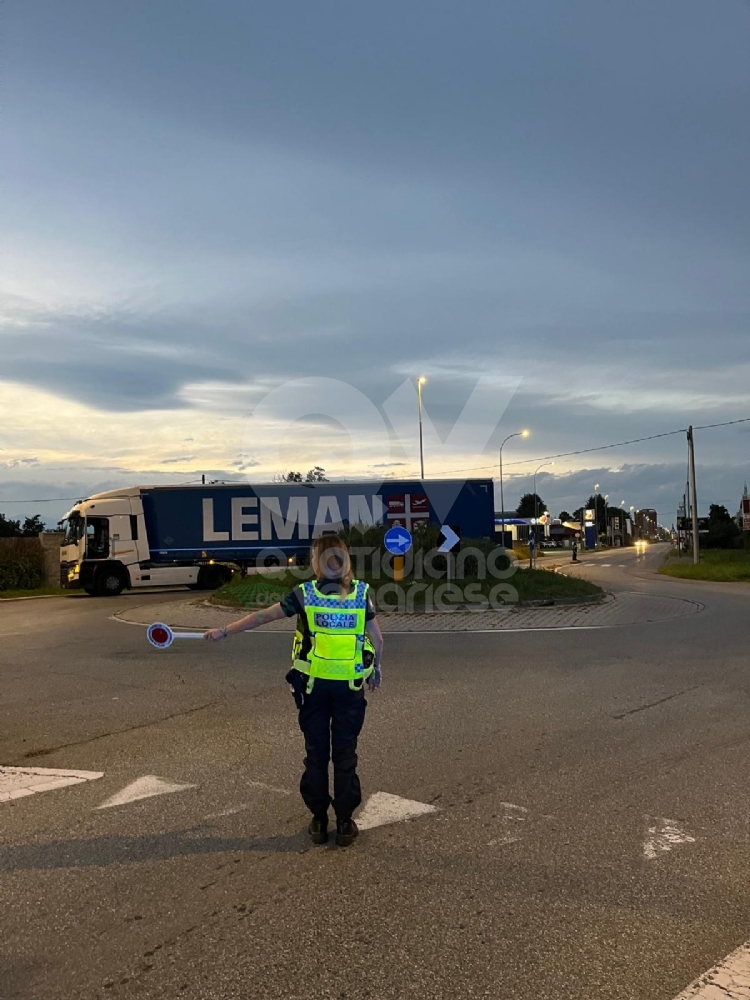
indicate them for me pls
(524, 434)
(621, 524)
(606, 517)
(596, 513)
(536, 500)
(420, 382)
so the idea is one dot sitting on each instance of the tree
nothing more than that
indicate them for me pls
(32, 526)
(314, 475)
(564, 516)
(722, 528)
(530, 504)
(8, 528)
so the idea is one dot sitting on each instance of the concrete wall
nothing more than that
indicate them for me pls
(50, 541)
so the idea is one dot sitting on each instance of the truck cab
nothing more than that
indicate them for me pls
(105, 550)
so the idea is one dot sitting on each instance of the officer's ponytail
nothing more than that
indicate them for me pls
(331, 560)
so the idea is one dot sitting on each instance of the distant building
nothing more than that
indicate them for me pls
(743, 515)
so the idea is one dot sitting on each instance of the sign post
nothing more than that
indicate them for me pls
(397, 541)
(450, 537)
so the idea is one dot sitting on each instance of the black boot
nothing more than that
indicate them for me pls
(346, 832)
(318, 829)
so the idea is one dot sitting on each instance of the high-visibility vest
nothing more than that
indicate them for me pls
(336, 628)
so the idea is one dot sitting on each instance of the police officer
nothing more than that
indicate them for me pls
(337, 648)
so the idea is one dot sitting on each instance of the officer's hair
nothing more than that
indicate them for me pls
(330, 559)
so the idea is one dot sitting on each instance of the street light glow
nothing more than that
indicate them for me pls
(421, 380)
(525, 434)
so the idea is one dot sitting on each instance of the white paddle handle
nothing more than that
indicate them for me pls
(188, 635)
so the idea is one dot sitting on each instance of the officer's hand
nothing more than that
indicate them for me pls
(375, 678)
(215, 634)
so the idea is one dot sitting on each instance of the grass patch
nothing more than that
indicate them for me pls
(718, 565)
(38, 592)
(260, 591)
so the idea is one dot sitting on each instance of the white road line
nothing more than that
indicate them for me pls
(383, 808)
(729, 980)
(511, 814)
(269, 788)
(144, 788)
(18, 782)
(662, 835)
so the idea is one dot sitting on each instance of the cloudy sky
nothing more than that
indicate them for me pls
(202, 201)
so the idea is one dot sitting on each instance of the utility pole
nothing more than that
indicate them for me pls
(420, 382)
(691, 453)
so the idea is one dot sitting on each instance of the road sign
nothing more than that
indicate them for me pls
(450, 538)
(397, 540)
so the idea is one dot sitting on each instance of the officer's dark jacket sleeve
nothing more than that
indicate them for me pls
(292, 604)
(370, 613)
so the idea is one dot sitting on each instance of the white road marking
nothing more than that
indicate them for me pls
(605, 565)
(511, 814)
(17, 782)
(662, 835)
(144, 788)
(269, 788)
(729, 980)
(229, 812)
(383, 808)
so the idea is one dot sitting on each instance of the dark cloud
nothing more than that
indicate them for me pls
(232, 196)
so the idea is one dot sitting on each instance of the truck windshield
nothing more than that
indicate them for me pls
(73, 530)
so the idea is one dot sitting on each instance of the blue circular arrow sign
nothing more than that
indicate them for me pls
(397, 540)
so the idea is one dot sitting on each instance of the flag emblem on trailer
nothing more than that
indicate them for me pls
(407, 509)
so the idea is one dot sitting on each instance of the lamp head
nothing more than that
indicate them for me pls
(525, 434)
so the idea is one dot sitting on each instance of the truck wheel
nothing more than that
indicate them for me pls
(109, 583)
(211, 577)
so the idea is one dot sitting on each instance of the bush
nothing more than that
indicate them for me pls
(21, 564)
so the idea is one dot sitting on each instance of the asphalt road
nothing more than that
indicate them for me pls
(591, 837)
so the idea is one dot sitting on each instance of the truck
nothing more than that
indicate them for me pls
(197, 534)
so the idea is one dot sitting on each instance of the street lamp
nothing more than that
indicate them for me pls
(420, 382)
(606, 516)
(596, 513)
(524, 434)
(536, 498)
(620, 525)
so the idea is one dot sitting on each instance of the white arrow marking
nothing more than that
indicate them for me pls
(383, 808)
(17, 782)
(144, 788)
(450, 538)
(662, 836)
(511, 814)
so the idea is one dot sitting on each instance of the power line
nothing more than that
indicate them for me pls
(726, 423)
(44, 500)
(477, 468)
(568, 454)
(603, 447)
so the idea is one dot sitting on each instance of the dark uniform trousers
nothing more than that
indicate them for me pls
(331, 718)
